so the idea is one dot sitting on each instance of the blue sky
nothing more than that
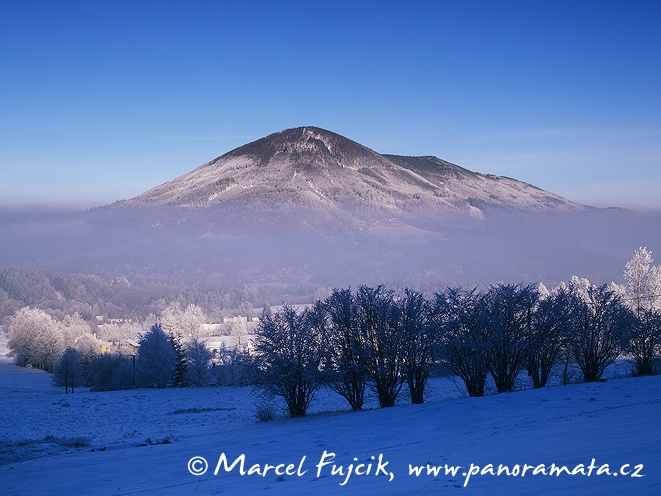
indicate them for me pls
(100, 101)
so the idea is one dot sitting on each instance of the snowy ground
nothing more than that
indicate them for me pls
(113, 442)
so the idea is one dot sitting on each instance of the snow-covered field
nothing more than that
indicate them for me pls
(141, 441)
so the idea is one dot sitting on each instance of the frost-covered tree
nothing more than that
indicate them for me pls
(88, 345)
(384, 345)
(643, 294)
(191, 321)
(601, 327)
(69, 370)
(239, 330)
(267, 313)
(73, 326)
(117, 333)
(35, 339)
(345, 365)
(156, 359)
(508, 316)
(543, 291)
(643, 282)
(182, 323)
(421, 341)
(580, 286)
(170, 316)
(288, 357)
(458, 313)
(551, 327)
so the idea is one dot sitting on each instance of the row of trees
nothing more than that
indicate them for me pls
(37, 339)
(162, 360)
(375, 338)
(68, 348)
(378, 339)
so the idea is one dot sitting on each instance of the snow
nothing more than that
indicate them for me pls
(396, 187)
(141, 441)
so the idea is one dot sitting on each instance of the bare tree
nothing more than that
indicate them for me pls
(69, 370)
(550, 333)
(345, 366)
(111, 371)
(198, 358)
(288, 357)
(421, 341)
(463, 344)
(233, 367)
(645, 343)
(384, 344)
(508, 311)
(602, 325)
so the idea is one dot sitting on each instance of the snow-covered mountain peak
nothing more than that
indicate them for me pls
(315, 168)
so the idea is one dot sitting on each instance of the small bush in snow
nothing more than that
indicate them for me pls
(266, 412)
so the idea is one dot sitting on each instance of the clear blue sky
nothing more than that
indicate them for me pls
(101, 100)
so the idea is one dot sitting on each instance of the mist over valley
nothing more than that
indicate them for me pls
(298, 212)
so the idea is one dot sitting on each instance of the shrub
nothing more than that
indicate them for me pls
(265, 412)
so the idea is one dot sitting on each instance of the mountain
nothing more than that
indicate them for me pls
(307, 209)
(312, 168)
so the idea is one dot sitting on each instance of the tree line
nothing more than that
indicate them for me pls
(170, 353)
(380, 340)
(133, 296)
(377, 339)
(162, 360)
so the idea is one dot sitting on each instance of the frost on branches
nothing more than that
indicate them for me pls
(643, 289)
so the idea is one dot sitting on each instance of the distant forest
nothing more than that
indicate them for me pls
(94, 296)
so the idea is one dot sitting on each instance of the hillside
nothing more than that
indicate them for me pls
(122, 434)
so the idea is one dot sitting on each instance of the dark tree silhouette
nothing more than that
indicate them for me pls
(288, 357)
(601, 329)
(507, 317)
(384, 345)
(346, 366)
(463, 339)
(69, 370)
(156, 359)
(550, 333)
(421, 341)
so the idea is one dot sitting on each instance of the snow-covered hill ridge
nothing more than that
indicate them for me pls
(614, 423)
(312, 167)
